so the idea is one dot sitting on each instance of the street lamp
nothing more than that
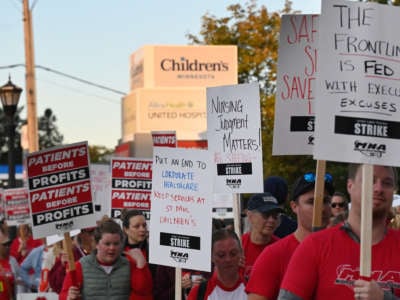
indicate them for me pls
(9, 94)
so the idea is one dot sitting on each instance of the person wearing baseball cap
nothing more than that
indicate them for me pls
(269, 269)
(278, 187)
(263, 213)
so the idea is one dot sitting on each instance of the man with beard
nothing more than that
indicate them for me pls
(326, 265)
(270, 266)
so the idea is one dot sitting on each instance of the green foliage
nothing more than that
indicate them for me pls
(255, 31)
(100, 154)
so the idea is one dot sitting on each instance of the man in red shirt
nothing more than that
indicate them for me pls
(326, 264)
(263, 214)
(270, 266)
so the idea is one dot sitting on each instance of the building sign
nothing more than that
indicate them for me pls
(165, 110)
(183, 66)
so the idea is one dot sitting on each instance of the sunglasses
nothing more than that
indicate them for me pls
(310, 177)
(275, 215)
(338, 204)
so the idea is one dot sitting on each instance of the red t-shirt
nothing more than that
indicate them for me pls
(326, 263)
(269, 268)
(215, 290)
(252, 251)
(6, 280)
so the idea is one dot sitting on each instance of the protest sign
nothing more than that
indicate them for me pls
(234, 137)
(60, 193)
(297, 71)
(37, 296)
(100, 176)
(164, 139)
(180, 224)
(16, 206)
(358, 96)
(130, 185)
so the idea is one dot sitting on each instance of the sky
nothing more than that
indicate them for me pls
(92, 40)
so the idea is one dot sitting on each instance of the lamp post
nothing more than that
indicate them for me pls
(9, 94)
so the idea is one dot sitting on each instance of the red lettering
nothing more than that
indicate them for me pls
(311, 53)
(297, 87)
(304, 29)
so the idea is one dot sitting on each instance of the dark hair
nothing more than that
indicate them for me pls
(353, 168)
(107, 225)
(223, 234)
(340, 194)
(126, 215)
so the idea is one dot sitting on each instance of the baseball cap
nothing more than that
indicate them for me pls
(306, 183)
(264, 203)
(278, 187)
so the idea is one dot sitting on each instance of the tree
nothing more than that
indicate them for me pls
(4, 136)
(255, 31)
(100, 154)
(49, 135)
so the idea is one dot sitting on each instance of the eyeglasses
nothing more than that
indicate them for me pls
(275, 215)
(310, 177)
(337, 204)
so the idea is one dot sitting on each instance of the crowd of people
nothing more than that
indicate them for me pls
(277, 257)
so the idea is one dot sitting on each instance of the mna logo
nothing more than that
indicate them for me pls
(370, 149)
(310, 140)
(234, 183)
(64, 226)
(179, 256)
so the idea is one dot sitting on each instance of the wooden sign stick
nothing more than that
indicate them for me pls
(366, 220)
(178, 284)
(236, 214)
(319, 195)
(67, 243)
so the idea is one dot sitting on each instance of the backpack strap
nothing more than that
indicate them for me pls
(202, 290)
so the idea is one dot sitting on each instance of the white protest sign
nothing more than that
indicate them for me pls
(130, 184)
(234, 137)
(60, 193)
(180, 224)
(37, 296)
(357, 112)
(222, 206)
(16, 206)
(297, 71)
(100, 176)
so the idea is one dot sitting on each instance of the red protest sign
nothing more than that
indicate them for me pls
(130, 184)
(16, 206)
(60, 193)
